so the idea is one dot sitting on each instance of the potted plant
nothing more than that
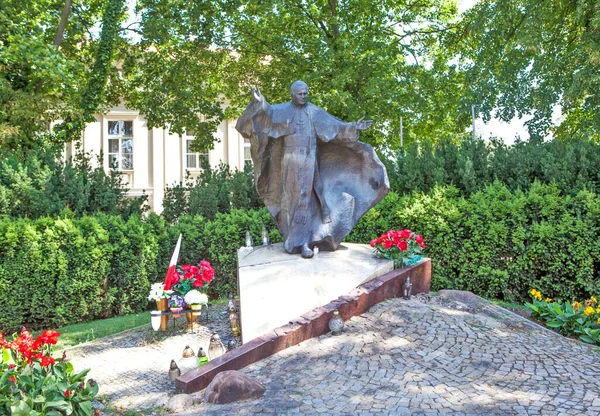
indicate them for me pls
(403, 247)
(194, 299)
(161, 296)
(176, 304)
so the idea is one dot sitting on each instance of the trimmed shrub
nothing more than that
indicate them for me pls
(499, 243)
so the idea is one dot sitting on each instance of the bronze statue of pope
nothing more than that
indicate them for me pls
(312, 173)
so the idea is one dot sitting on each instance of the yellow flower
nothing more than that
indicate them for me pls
(576, 305)
(548, 300)
(598, 310)
(536, 294)
(594, 300)
(598, 321)
(588, 311)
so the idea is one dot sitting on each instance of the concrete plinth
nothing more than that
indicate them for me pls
(275, 287)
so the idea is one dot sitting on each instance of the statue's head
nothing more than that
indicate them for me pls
(299, 93)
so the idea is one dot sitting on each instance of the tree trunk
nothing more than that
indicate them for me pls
(64, 18)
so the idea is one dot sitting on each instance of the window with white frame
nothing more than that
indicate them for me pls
(194, 160)
(120, 144)
(247, 154)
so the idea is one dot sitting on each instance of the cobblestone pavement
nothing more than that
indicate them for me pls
(400, 358)
(132, 367)
(407, 357)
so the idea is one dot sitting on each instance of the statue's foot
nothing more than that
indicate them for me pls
(307, 253)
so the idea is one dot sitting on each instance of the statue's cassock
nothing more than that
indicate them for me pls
(312, 173)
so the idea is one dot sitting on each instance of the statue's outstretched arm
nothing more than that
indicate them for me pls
(363, 124)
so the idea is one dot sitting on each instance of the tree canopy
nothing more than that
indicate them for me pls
(527, 57)
(189, 65)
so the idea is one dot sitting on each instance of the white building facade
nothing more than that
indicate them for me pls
(150, 159)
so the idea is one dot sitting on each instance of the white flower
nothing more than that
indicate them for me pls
(194, 297)
(157, 292)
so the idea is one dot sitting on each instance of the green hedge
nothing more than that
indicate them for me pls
(496, 243)
(499, 243)
(56, 272)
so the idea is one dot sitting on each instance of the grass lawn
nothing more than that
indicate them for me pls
(88, 331)
(71, 335)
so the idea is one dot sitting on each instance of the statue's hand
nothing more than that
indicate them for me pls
(363, 124)
(257, 97)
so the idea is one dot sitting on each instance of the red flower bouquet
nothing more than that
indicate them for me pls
(404, 247)
(188, 276)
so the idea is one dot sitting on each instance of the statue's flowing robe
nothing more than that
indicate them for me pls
(312, 173)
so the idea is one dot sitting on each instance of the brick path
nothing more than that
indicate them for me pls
(408, 357)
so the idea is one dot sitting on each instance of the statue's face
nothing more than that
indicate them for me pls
(300, 95)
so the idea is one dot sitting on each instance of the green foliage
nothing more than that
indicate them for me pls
(213, 191)
(65, 270)
(33, 384)
(573, 165)
(44, 184)
(571, 319)
(358, 58)
(522, 57)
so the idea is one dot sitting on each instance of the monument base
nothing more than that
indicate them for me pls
(310, 324)
(275, 287)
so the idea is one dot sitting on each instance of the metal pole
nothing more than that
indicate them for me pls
(401, 143)
(473, 119)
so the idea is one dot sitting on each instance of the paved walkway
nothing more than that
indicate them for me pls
(406, 357)
(132, 367)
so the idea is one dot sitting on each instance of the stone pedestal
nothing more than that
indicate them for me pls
(276, 287)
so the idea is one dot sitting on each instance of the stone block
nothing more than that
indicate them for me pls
(232, 386)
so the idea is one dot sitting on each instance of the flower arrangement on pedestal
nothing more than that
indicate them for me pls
(195, 298)
(32, 382)
(189, 276)
(158, 292)
(403, 247)
(176, 304)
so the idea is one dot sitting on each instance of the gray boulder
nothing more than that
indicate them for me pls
(232, 386)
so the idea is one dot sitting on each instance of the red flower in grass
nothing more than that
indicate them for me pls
(403, 245)
(387, 244)
(67, 394)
